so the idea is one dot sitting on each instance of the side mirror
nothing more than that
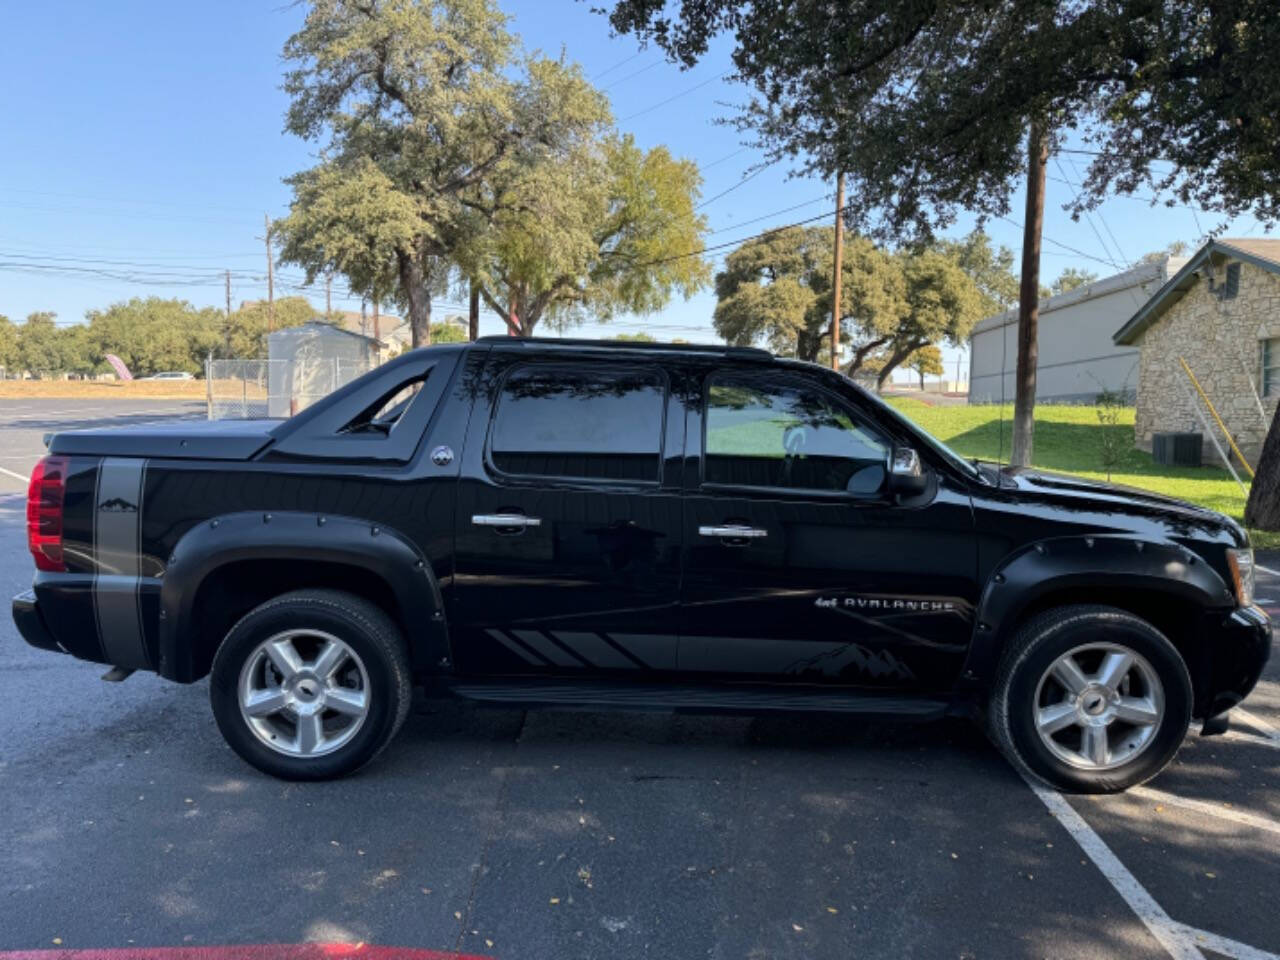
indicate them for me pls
(906, 473)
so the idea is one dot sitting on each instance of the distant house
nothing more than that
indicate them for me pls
(310, 361)
(1221, 313)
(1077, 357)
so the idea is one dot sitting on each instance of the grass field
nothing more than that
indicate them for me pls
(1069, 440)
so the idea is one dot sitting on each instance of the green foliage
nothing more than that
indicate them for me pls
(926, 362)
(926, 107)
(9, 355)
(1071, 278)
(448, 333)
(1178, 248)
(992, 269)
(152, 335)
(596, 232)
(39, 346)
(638, 337)
(245, 331)
(777, 287)
(421, 108)
(1112, 444)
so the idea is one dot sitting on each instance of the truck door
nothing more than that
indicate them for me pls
(568, 522)
(801, 568)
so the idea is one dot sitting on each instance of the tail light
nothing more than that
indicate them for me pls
(44, 513)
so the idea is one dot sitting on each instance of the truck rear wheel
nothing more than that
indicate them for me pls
(311, 684)
(1090, 699)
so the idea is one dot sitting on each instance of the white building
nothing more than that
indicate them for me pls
(1077, 357)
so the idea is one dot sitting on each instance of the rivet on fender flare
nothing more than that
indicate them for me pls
(1088, 542)
(214, 523)
(374, 531)
(998, 578)
(1138, 544)
(319, 521)
(1039, 548)
(266, 518)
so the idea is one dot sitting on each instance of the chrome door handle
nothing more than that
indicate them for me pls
(733, 531)
(505, 520)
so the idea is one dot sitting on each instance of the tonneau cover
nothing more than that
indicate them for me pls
(179, 439)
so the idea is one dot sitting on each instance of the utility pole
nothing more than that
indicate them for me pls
(364, 320)
(328, 296)
(835, 279)
(377, 324)
(271, 287)
(228, 294)
(473, 313)
(1024, 398)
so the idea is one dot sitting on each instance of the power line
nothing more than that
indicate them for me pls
(621, 63)
(682, 93)
(746, 177)
(632, 75)
(774, 213)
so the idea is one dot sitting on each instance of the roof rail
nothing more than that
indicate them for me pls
(742, 353)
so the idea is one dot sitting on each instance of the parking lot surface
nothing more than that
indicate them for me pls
(514, 835)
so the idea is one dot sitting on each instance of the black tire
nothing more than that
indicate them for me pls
(1035, 647)
(363, 627)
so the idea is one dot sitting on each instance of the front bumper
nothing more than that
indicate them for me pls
(26, 615)
(1238, 648)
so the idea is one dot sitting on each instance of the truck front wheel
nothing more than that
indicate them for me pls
(311, 685)
(1090, 699)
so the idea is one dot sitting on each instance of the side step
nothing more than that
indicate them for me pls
(726, 698)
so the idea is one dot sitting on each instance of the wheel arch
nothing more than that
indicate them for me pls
(226, 566)
(1163, 583)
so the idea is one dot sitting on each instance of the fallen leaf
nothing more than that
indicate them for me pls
(554, 901)
(487, 941)
(427, 891)
(57, 941)
(832, 910)
(954, 856)
(797, 928)
(1211, 876)
(457, 914)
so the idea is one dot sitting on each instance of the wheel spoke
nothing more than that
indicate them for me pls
(331, 657)
(310, 732)
(1137, 710)
(1094, 746)
(284, 657)
(1055, 717)
(350, 702)
(263, 703)
(1068, 673)
(1113, 669)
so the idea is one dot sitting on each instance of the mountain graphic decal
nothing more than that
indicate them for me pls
(117, 505)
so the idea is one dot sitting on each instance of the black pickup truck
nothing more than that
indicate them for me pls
(600, 525)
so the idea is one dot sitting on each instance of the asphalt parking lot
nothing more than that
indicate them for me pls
(565, 835)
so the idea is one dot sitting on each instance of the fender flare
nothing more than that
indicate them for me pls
(1064, 563)
(286, 535)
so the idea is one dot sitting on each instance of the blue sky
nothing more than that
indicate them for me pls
(146, 138)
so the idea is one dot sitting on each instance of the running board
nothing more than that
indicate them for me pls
(728, 698)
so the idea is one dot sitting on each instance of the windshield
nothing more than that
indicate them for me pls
(960, 463)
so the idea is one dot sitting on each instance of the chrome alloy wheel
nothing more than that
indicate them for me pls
(1098, 706)
(304, 693)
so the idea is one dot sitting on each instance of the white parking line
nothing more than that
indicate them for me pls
(1274, 573)
(16, 476)
(1251, 820)
(1174, 937)
(1224, 945)
(1254, 739)
(1255, 721)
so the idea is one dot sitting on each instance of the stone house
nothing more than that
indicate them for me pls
(1221, 313)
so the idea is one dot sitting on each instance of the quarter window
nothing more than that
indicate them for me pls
(785, 436)
(583, 423)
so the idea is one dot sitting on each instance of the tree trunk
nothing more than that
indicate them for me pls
(1263, 509)
(473, 315)
(1024, 402)
(921, 372)
(896, 358)
(414, 285)
(860, 354)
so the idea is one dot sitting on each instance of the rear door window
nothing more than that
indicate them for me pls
(593, 422)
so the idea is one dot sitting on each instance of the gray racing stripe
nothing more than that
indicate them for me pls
(514, 647)
(593, 648)
(546, 647)
(117, 516)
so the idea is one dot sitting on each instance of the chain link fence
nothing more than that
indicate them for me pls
(255, 389)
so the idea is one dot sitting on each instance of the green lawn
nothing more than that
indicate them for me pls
(1069, 439)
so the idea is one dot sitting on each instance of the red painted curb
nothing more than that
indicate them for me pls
(271, 951)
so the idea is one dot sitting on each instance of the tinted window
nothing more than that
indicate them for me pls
(784, 436)
(589, 422)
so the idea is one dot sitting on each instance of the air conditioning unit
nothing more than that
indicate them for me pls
(1177, 449)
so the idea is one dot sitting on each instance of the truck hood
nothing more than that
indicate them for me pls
(175, 439)
(1113, 499)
